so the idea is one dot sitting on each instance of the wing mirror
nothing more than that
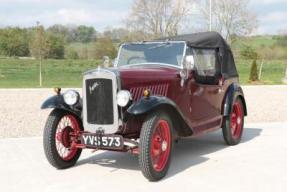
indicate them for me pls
(183, 76)
(189, 62)
(188, 65)
(106, 62)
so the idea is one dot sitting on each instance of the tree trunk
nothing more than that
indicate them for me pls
(285, 78)
(40, 72)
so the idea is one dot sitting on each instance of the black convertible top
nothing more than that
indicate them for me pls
(212, 40)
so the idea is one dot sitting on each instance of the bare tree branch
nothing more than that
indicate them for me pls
(158, 18)
(231, 17)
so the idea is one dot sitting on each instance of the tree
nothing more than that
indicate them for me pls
(281, 40)
(105, 47)
(59, 31)
(284, 80)
(39, 47)
(85, 34)
(56, 46)
(231, 18)
(71, 54)
(248, 52)
(39, 44)
(254, 71)
(14, 41)
(116, 34)
(158, 18)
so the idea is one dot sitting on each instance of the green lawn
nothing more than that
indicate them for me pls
(16, 73)
(255, 41)
(258, 41)
(273, 71)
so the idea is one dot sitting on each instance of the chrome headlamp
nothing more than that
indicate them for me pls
(123, 98)
(71, 97)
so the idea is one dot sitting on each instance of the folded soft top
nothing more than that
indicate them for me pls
(211, 40)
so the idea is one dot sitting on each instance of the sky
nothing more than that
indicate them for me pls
(272, 14)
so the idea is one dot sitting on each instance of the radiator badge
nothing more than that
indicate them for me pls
(100, 131)
(93, 87)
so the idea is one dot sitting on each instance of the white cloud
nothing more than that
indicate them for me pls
(95, 17)
(83, 16)
(71, 16)
(267, 2)
(29, 1)
(99, 14)
(102, 13)
(271, 23)
(274, 17)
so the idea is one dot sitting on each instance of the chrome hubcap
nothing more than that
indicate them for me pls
(164, 146)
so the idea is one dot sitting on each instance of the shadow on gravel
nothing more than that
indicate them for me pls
(186, 153)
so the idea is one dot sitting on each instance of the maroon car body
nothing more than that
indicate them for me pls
(200, 104)
(157, 92)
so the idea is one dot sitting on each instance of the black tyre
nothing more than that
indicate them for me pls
(233, 124)
(156, 143)
(59, 139)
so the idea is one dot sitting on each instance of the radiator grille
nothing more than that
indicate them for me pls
(160, 89)
(99, 96)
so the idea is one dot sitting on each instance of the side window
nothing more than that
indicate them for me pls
(205, 62)
(207, 66)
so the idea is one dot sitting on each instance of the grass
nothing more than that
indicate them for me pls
(256, 41)
(273, 71)
(259, 41)
(17, 73)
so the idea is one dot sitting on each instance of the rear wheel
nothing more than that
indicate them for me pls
(60, 137)
(156, 146)
(233, 124)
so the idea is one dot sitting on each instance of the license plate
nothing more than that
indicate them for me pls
(103, 141)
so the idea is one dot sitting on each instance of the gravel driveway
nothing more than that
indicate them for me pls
(21, 115)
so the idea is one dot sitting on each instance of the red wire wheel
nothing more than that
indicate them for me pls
(66, 131)
(233, 124)
(60, 138)
(236, 120)
(160, 146)
(155, 145)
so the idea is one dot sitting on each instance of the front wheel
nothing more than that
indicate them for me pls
(155, 146)
(233, 124)
(60, 137)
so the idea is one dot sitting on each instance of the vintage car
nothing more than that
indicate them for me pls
(157, 92)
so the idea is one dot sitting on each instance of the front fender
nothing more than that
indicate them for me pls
(146, 105)
(57, 102)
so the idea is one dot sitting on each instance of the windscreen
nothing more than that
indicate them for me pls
(149, 53)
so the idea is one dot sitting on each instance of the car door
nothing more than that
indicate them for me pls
(205, 92)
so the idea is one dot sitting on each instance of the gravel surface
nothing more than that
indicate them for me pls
(21, 115)
(20, 112)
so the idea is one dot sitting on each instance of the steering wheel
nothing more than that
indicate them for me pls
(135, 58)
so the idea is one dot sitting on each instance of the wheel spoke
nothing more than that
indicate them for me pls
(160, 140)
(66, 127)
(59, 136)
(236, 120)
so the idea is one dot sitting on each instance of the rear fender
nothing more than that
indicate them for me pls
(233, 91)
